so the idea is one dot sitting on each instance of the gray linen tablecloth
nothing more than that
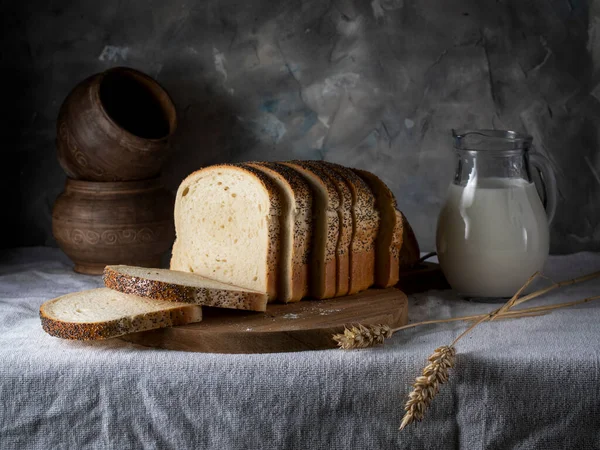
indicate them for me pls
(519, 384)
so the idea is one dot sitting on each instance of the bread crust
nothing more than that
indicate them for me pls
(402, 246)
(174, 292)
(301, 210)
(366, 219)
(86, 331)
(327, 270)
(343, 246)
(409, 252)
(387, 264)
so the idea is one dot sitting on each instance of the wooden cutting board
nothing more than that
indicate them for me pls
(306, 325)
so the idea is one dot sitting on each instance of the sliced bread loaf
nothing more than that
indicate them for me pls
(296, 229)
(104, 313)
(326, 229)
(366, 221)
(345, 218)
(176, 286)
(227, 220)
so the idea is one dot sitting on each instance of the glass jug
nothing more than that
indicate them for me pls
(492, 232)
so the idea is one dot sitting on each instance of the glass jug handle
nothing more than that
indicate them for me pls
(542, 165)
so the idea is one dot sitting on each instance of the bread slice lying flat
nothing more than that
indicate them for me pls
(104, 313)
(176, 286)
(296, 230)
(227, 220)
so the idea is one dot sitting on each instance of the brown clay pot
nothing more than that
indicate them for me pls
(115, 126)
(100, 223)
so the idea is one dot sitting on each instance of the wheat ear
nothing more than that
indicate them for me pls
(426, 387)
(428, 384)
(362, 336)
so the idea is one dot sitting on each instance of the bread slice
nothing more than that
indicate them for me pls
(390, 239)
(296, 229)
(409, 253)
(326, 229)
(227, 220)
(366, 223)
(176, 286)
(104, 313)
(345, 235)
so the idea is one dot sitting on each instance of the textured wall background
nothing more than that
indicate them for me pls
(376, 84)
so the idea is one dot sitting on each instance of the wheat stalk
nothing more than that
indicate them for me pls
(427, 385)
(555, 285)
(417, 403)
(362, 336)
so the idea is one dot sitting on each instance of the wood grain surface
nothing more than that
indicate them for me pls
(306, 325)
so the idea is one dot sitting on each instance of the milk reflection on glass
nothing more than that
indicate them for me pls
(492, 230)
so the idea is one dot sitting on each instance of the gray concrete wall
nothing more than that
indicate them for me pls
(375, 84)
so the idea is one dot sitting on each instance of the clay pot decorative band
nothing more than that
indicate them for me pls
(100, 223)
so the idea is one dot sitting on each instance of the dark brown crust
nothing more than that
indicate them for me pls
(330, 274)
(365, 264)
(301, 196)
(343, 247)
(172, 292)
(323, 279)
(389, 238)
(409, 250)
(147, 288)
(366, 224)
(118, 327)
(365, 208)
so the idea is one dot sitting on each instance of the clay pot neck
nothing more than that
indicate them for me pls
(136, 104)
